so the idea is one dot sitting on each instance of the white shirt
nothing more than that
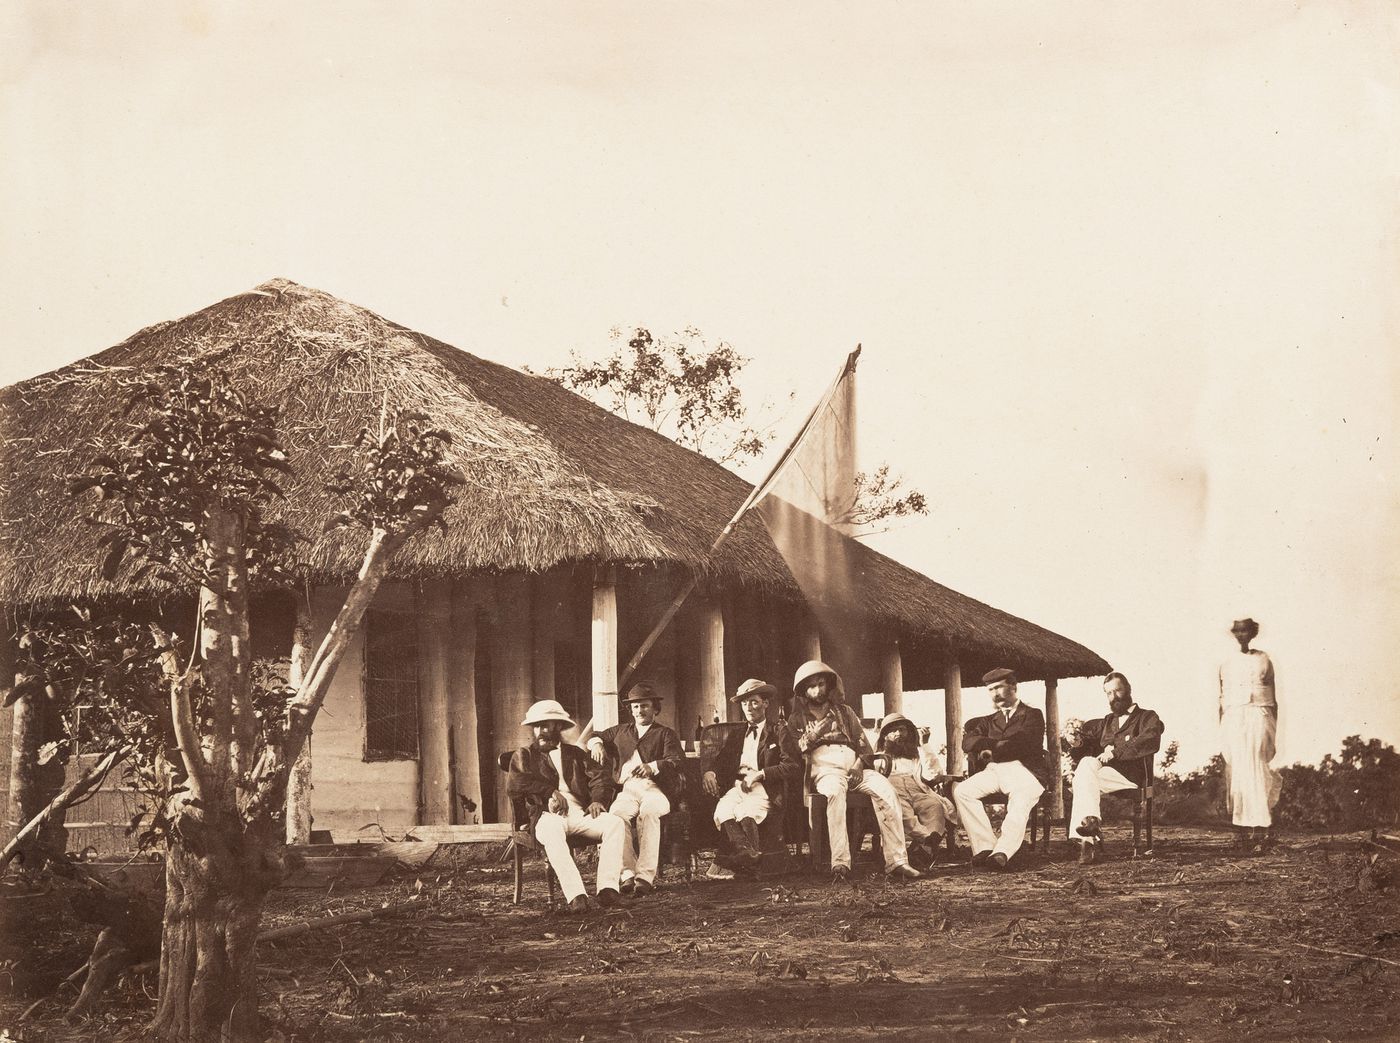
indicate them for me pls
(1122, 718)
(625, 772)
(556, 756)
(749, 758)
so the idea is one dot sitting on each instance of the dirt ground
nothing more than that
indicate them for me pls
(1192, 944)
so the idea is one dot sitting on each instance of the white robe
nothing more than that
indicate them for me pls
(1248, 733)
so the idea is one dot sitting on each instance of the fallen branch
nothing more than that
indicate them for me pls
(1002, 956)
(91, 778)
(1353, 955)
(364, 915)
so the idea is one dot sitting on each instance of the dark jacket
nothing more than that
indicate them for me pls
(660, 745)
(778, 758)
(1140, 736)
(531, 778)
(1021, 739)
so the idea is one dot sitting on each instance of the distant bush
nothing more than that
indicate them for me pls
(1360, 789)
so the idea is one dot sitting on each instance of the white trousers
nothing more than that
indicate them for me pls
(830, 767)
(1022, 790)
(736, 805)
(1091, 781)
(553, 832)
(640, 805)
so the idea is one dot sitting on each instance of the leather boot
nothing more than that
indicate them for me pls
(738, 843)
(751, 841)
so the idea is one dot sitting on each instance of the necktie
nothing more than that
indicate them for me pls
(752, 733)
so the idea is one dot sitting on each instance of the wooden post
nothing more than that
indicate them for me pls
(544, 622)
(299, 781)
(953, 718)
(1052, 747)
(711, 638)
(604, 649)
(892, 677)
(511, 686)
(461, 677)
(434, 603)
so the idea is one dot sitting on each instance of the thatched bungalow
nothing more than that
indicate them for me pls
(573, 531)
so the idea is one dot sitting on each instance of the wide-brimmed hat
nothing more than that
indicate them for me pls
(753, 686)
(809, 670)
(891, 719)
(641, 692)
(547, 710)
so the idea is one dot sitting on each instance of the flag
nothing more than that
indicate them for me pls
(808, 504)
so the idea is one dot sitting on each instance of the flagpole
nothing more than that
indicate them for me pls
(690, 584)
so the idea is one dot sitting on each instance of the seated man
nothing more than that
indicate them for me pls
(838, 756)
(1007, 751)
(651, 767)
(913, 767)
(567, 794)
(1109, 757)
(745, 768)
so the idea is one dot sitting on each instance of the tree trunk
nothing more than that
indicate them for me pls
(214, 899)
(33, 785)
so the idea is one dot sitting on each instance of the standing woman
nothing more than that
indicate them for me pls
(1249, 729)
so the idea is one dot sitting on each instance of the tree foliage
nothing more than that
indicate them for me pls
(689, 391)
(189, 493)
(681, 386)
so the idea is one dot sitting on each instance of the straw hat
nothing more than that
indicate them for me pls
(753, 686)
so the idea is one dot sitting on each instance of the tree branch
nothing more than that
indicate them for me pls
(303, 707)
(182, 717)
(67, 798)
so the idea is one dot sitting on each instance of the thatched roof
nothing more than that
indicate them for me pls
(552, 478)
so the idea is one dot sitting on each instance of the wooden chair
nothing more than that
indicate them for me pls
(1038, 824)
(775, 832)
(1141, 796)
(523, 842)
(860, 820)
(675, 839)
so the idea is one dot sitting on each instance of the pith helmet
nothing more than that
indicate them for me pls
(547, 710)
(891, 720)
(809, 670)
(753, 686)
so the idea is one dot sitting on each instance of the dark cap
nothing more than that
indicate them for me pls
(1001, 673)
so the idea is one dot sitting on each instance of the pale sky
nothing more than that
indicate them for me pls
(1125, 274)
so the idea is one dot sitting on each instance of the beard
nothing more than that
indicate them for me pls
(901, 745)
(1120, 706)
(547, 742)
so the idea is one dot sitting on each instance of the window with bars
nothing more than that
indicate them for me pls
(391, 686)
